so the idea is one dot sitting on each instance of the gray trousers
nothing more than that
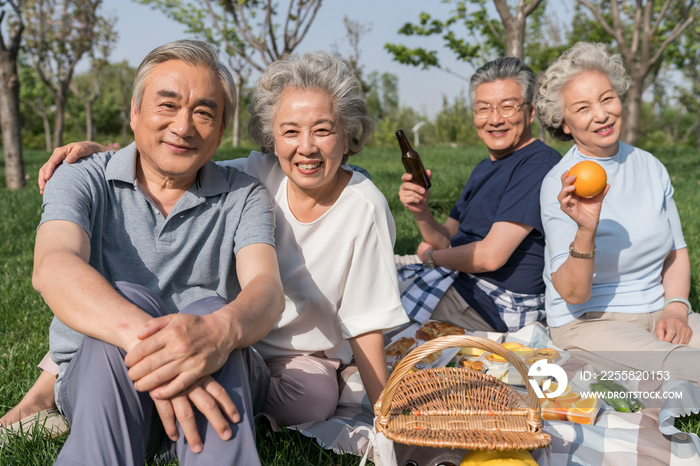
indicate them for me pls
(111, 422)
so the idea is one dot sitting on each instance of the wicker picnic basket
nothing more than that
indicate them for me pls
(451, 407)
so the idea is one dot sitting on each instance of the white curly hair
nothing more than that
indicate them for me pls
(580, 58)
(318, 71)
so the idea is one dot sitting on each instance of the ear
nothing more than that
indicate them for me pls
(532, 113)
(221, 134)
(134, 115)
(565, 127)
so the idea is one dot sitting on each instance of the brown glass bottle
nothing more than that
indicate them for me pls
(411, 161)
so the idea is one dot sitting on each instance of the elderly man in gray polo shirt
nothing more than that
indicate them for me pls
(160, 269)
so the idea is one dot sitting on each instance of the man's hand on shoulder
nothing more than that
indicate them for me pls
(70, 153)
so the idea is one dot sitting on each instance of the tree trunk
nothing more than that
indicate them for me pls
(515, 39)
(10, 122)
(47, 131)
(697, 139)
(124, 118)
(88, 120)
(236, 139)
(631, 111)
(58, 120)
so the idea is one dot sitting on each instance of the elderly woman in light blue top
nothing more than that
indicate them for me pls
(617, 269)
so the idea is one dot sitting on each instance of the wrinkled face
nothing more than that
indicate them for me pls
(592, 114)
(309, 141)
(180, 123)
(502, 135)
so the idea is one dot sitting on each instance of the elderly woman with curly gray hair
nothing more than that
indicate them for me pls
(334, 237)
(616, 264)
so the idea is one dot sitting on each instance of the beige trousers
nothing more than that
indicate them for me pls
(612, 341)
(452, 308)
(302, 389)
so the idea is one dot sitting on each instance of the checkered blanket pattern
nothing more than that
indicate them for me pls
(646, 438)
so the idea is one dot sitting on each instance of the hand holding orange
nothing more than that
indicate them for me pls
(590, 178)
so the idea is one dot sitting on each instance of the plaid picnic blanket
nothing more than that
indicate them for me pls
(644, 438)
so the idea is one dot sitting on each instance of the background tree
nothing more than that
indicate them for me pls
(685, 56)
(87, 87)
(642, 30)
(485, 36)
(58, 34)
(10, 122)
(35, 102)
(234, 27)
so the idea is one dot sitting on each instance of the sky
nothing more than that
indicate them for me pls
(141, 29)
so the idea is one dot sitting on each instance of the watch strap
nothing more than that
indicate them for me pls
(581, 255)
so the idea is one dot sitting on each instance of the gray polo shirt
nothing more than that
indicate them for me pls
(185, 257)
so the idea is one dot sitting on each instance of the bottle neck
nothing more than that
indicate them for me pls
(403, 143)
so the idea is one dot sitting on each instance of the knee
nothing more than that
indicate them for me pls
(292, 400)
(204, 306)
(142, 297)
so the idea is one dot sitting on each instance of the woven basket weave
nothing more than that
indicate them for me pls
(453, 407)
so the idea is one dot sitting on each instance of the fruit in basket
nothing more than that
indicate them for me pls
(498, 458)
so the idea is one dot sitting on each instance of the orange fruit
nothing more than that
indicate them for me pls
(583, 411)
(590, 178)
(566, 400)
(552, 411)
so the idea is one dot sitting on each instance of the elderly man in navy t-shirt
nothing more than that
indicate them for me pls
(493, 236)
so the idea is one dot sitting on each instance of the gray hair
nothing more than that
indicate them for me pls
(504, 68)
(580, 58)
(315, 71)
(194, 53)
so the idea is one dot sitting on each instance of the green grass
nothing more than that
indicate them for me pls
(24, 318)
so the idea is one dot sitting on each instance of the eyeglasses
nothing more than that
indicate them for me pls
(506, 110)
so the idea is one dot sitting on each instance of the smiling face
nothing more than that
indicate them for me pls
(592, 114)
(180, 123)
(309, 141)
(503, 136)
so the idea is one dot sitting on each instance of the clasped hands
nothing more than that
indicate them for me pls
(172, 359)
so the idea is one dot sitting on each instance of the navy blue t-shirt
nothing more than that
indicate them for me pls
(505, 190)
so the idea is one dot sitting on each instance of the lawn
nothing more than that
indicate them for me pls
(24, 318)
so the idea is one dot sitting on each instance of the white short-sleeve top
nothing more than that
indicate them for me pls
(338, 271)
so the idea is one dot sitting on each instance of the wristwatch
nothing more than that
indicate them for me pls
(580, 255)
(431, 262)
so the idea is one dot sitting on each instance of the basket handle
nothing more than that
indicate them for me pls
(429, 347)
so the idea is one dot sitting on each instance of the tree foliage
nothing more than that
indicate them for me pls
(470, 33)
(58, 34)
(642, 30)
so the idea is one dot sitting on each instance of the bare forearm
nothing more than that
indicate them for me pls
(467, 258)
(574, 278)
(368, 349)
(675, 278)
(84, 301)
(255, 310)
(433, 232)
